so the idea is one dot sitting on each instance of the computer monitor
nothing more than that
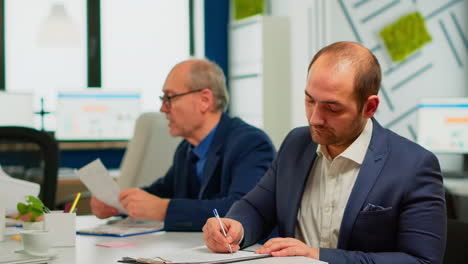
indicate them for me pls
(84, 116)
(17, 109)
(443, 125)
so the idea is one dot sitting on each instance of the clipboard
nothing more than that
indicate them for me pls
(198, 255)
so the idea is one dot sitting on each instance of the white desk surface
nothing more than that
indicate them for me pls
(150, 245)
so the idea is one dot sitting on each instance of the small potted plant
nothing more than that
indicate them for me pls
(32, 213)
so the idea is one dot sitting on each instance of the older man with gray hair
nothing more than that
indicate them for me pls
(219, 161)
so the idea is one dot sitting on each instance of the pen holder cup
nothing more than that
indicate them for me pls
(62, 228)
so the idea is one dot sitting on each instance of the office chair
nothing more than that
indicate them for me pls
(149, 153)
(29, 154)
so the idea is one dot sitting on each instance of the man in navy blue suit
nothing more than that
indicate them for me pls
(344, 189)
(220, 160)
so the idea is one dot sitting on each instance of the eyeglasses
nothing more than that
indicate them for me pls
(166, 99)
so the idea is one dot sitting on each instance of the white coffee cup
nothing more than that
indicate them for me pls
(36, 242)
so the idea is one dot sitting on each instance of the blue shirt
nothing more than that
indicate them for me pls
(201, 152)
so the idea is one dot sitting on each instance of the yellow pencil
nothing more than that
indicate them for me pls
(75, 202)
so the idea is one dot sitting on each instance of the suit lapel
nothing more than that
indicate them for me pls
(212, 159)
(182, 184)
(300, 175)
(370, 170)
(208, 171)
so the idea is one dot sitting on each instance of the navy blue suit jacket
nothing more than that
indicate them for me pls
(238, 157)
(396, 174)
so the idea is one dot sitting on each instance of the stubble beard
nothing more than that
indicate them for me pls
(323, 135)
(327, 135)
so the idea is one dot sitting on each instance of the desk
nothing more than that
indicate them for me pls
(150, 245)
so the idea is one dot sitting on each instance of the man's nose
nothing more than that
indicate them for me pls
(316, 117)
(164, 108)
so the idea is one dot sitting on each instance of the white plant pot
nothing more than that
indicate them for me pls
(33, 225)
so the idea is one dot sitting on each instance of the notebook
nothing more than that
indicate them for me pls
(124, 227)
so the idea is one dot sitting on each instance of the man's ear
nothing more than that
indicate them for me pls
(207, 100)
(371, 105)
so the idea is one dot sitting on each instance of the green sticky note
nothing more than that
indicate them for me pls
(405, 36)
(246, 8)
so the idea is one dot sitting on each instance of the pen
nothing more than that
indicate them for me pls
(215, 212)
(67, 208)
(75, 202)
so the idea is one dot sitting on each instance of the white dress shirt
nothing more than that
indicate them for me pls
(327, 192)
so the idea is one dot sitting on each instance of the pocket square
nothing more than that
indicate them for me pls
(373, 208)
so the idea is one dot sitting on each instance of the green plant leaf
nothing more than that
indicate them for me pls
(36, 212)
(34, 208)
(22, 209)
(34, 201)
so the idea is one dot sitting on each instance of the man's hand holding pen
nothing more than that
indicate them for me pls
(215, 239)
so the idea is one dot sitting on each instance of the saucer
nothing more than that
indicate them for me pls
(52, 253)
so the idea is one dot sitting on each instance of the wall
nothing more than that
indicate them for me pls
(436, 70)
(31, 66)
(141, 41)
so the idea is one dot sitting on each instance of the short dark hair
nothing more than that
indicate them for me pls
(368, 75)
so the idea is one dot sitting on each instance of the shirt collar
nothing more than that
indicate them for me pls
(202, 149)
(357, 150)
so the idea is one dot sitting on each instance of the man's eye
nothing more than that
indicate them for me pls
(334, 109)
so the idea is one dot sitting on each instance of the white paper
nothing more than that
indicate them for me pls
(16, 190)
(96, 177)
